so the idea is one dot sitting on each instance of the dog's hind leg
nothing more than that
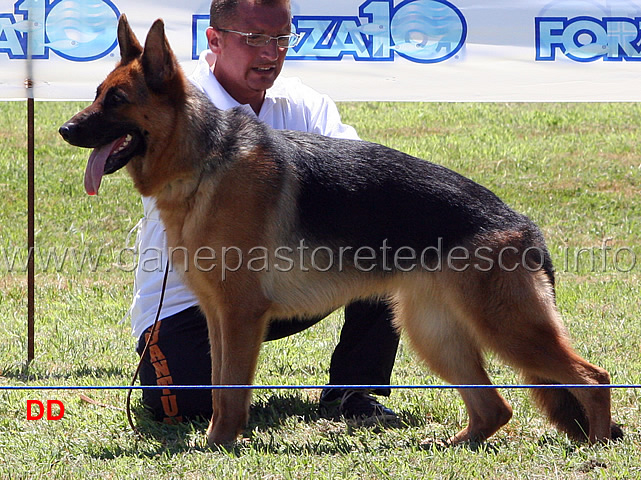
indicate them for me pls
(565, 410)
(583, 413)
(450, 350)
(521, 323)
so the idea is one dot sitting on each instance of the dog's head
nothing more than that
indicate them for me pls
(130, 113)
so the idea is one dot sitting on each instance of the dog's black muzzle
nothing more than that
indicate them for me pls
(68, 132)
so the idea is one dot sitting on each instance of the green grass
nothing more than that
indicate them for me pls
(574, 168)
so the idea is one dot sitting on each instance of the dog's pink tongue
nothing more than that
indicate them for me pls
(96, 167)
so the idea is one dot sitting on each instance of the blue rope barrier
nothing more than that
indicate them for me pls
(305, 387)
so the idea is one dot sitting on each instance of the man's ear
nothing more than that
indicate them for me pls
(213, 39)
(130, 48)
(158, 61)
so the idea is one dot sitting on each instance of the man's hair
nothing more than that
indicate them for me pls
(221, 12)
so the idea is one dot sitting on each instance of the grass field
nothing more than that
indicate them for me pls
(573, 168)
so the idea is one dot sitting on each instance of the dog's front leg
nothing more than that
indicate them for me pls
(235, 338)
(213, 327)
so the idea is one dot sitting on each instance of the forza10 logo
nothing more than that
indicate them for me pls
(77, 30)
(586, 39)
(423, 31)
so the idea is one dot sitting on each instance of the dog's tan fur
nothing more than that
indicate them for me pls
(450, 317)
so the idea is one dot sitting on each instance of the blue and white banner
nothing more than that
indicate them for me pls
(399, 50)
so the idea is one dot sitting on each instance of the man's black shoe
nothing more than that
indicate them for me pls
(356, 405)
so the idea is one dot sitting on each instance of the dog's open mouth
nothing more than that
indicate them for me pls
(110, 158)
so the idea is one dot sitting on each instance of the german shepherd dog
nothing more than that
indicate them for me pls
(330, 221)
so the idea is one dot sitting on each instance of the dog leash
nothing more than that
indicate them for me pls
(144, 351)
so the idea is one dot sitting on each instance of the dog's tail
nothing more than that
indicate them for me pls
(564, 410)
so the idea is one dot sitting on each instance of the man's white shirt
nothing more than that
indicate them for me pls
(288, 105)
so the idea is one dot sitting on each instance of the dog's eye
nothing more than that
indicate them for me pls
(115, 98)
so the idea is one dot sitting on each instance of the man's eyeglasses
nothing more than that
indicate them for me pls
(260, 40)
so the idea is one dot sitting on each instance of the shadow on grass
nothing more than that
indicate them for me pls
(272, 412)
(267, 417)
(25, 373)
(265, 414)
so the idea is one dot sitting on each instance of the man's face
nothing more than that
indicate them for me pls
(243, 70)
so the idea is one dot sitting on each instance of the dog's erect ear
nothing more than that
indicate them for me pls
(129, 45)
(158, 60)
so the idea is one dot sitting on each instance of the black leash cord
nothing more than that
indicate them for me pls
(144, 351)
